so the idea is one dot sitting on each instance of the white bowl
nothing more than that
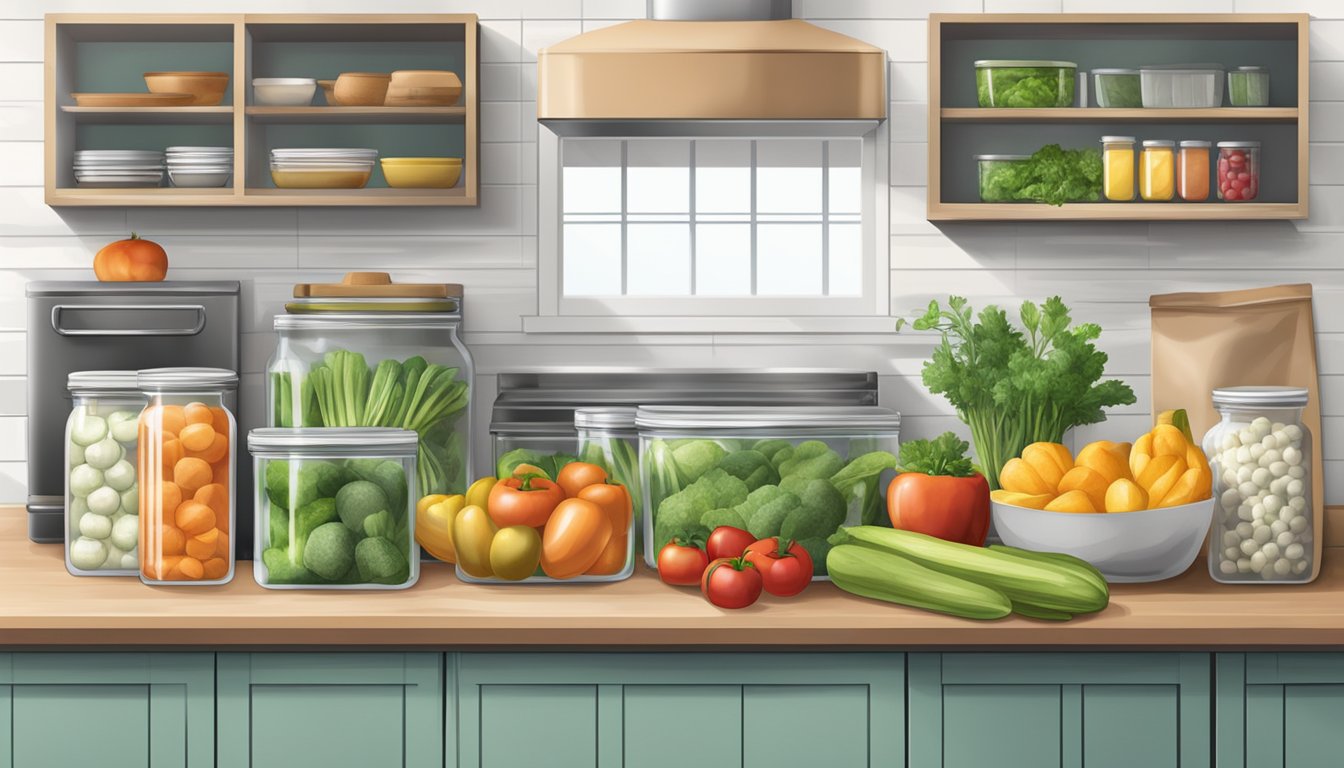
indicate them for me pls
(195, 178)
(284, 91)
(1151, 545)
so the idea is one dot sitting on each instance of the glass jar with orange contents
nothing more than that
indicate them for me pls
(186, 472)
(1192, 178)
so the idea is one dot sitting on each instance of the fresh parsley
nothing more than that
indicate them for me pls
(943, 455)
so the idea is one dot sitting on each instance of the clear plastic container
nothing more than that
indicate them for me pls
(1263, 528)
(1117, 88)
(371, 342)
(1192, 174)
(1117, 162)
(1025, 83)
(992, 168)
(1157, 170)
(102, 508)
(701, 467)
(1238, 170)
(1181, 87)
(608, 437)
(186, 461)
(1248, 87)
(335, 508)
(546, 447)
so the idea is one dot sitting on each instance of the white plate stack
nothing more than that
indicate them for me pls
(316, 158)
(200, 166)
(118, 168)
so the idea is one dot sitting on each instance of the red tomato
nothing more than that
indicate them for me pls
(785, 570)
(727, 541)
(680, 564)
(731, 582)
(950, 508)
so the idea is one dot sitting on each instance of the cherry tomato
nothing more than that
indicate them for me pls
(731, 582)
(727, 541)
(1231, 194)
(527, 500)
(577, 475)
(681, 563)
(785, 570)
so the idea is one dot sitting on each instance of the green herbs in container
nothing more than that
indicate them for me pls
(1051, 175)
(1248, 87)
(1118, 88)
(1025, 84)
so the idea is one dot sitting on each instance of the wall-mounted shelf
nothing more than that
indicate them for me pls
(110, 52)
(959, 130)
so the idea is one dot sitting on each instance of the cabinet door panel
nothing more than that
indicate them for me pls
(814, 725)
(111, 721)
(1129, 725)
(326, 725)
(655, 714)
(1312, 716)
(988, 724)
(550, 725)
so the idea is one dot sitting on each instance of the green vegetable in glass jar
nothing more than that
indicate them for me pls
(1025, 84)
(1052, 175)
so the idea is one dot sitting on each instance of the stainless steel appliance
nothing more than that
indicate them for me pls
(81, 326)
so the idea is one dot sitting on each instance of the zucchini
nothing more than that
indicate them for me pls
(1085, 568)
(1044, 614)
(1044, 584)
(884, 576)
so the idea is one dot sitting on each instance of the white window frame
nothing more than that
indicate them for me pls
(567, 313)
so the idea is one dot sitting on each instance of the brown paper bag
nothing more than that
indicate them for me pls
(1256, 337)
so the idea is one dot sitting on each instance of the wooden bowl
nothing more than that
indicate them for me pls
(206, 88)
(329, 92)
(361, 89)
(423, 88)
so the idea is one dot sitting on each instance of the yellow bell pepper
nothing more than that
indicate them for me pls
(434, 526)
(1125, 495)
(1021, 499)
(1018, 475)
(479, 492)
(428, 501)
(1106, 458)
(1089, 482)
(1073, 501)
(1050, 460)
(473, 532)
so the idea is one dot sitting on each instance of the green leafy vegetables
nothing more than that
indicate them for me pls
(1052, 175)
(1014, 388)
(1025, 86)
(944, 455)
(427, 398)
(768, 487)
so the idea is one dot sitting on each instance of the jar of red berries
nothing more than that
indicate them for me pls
(1238, 170)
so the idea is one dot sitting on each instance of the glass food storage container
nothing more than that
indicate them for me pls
(800, 473)
(609, 439)
(370, 352)
(547, 445)
(1238, 170)
(1185, 86)
(1192, 175)
(1248, 87)
(335, 508)
(1117, 88)
(1025, 83)
(1261, 456)
(1117, 163)
(1157, 170)
(102, 508)
(186, 468)
(997, 179)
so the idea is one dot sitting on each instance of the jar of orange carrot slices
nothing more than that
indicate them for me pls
(186, 470)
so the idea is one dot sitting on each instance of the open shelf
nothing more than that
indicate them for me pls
(959, 130)
(110, 53)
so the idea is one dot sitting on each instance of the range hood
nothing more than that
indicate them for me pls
(739, 70)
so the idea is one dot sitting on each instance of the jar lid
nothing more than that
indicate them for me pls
(377, 285)
(1158, 143)
(605, 418)
(102, 381)
(1122, 71)
(334, 441)
(1196, 143)
(186, 379)
(1117, 139)
(1265, 397)
(765, 417)
(1024, 63)
(1003, 157)
(367, 321)
(1239, 144)
(1253, 68)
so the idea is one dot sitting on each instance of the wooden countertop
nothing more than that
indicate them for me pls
(41, 604)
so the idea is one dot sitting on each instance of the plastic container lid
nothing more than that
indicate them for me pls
(758, 417)
(1117, 139)
(619, 419)
(103, 381)
(334, 441)
(1251, 68)
(186, 379)
(1134, 72)
(1239, 144)
(1264, 397)
(1023, 63)
(1182, 69)
(1158, 143)
(1196, 143)
(1003, 157)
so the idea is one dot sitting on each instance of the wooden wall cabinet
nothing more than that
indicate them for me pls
(110, 53)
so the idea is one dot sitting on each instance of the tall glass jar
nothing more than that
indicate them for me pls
(102, 513)
(1192, 178)
(1157, 170)
(608, 437)
(1117, 163)
(1238, 170)
(186, 473)
(1261, 457)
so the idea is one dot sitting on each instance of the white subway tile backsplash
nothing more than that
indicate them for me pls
(904, 40)
(908, 121)
(1327, 40)
(539, 34)
(394, 251)
(909, 81)
(272, 222)
(880, 9)
(1319, 9)
(501, 81)
(1148, 6)
(21, 41)
(13, 482)
(1327, 121)
(24, 213)
(501, 163)
(21, 82)
(1327, 80)
(20, 121)
(500, 213)
(1327, 163)
(501, 40)
(500, 121)
(21, 162)
(614, 9)
(990, 246)
(13, 438)
(909, 165)
(1024, 6)
(13, 353)
(908, 212)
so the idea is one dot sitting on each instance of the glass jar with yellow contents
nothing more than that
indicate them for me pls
(1157, 170)
(1118, 168)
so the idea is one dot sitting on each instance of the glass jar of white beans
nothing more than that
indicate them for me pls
(1261, 458)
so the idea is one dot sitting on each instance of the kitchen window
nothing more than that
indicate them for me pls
(777, 226)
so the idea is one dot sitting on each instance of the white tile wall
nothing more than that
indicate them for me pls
(1105, 272)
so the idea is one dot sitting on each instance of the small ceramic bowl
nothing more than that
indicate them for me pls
(206, 88)
(190, 177)
(284, 91)
(422, 172)
(361, 89)
(423, 88)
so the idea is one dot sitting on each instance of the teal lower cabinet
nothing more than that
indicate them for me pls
(112, 710)
(1280, 710)
(653, 710)
(330, 709)
(1074, 710)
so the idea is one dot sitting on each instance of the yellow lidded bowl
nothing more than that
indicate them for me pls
(422, 172)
